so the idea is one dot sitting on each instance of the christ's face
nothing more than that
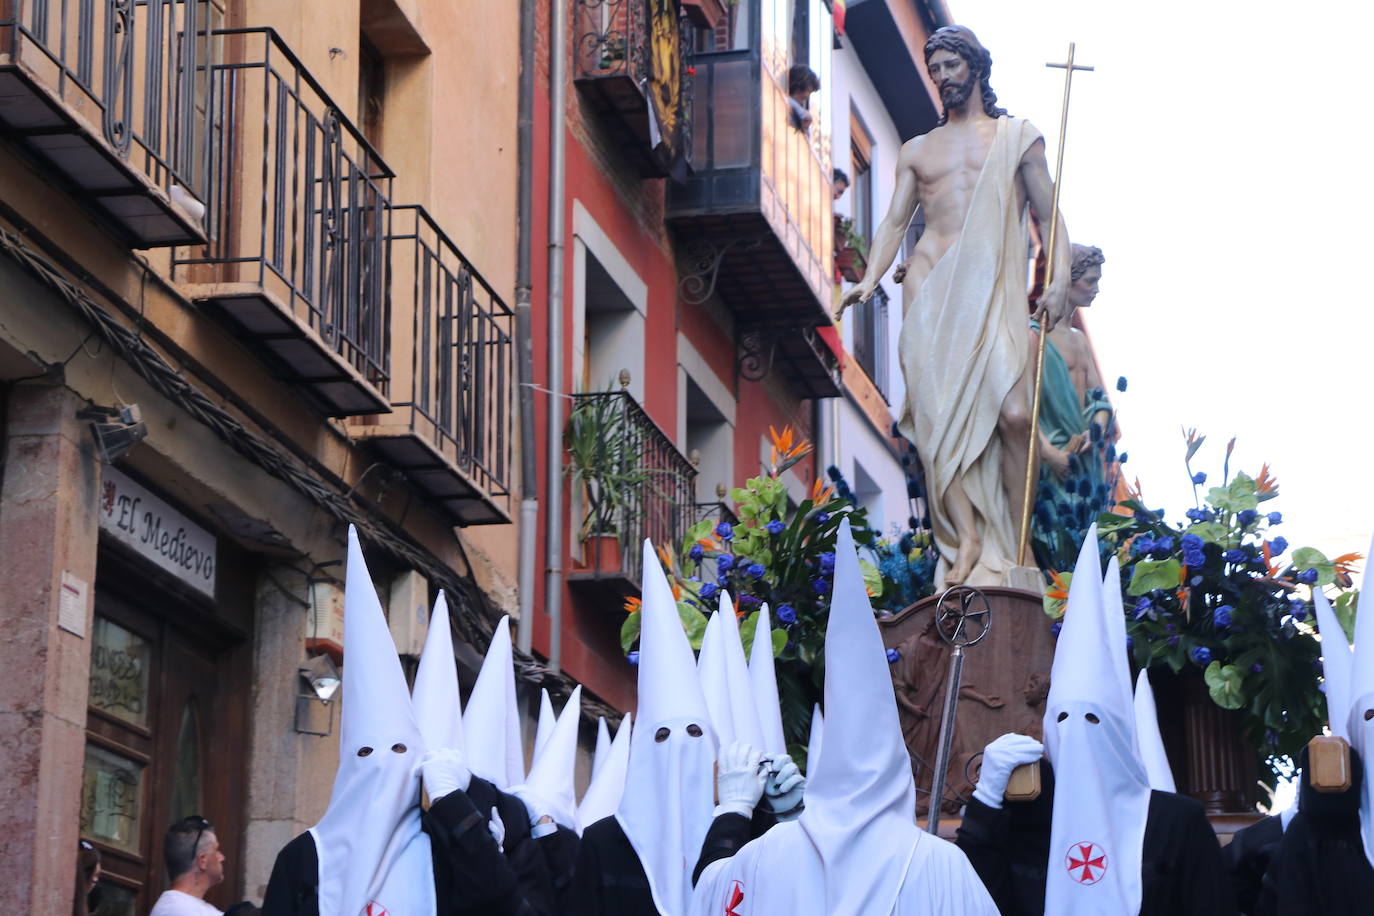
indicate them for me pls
(952, 76)
(1084, 289)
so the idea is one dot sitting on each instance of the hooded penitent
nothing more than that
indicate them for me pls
(371, 849)
(608, 783)
(603, 745)
(491, 722)
(1115, 615)
(1359, 722)
(550, 787)
(544, 726)
(725, 680)
(669, 784)
(764, 680)
(1098, 829)
(438, 709)
(1337, 660)
(1152, 754)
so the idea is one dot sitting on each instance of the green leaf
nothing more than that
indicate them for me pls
(1345, 607)
(1215, 532)
(747, 626)
(1241, 493)
(1224, 683)
(872, 578)
(629, 632)
(1148, 575)
(1310, 558)
(779, 641)
(693, 623)
(1109, 522)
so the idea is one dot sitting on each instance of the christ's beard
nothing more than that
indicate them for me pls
(956, 94)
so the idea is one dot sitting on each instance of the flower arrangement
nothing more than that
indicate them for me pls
(1211, 594)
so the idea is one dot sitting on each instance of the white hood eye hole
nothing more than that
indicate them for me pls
(1092, 718)
(662, 734)
(1062, 717)
(694, 730)
(364, 751)
(1368, 714)
(398, 748)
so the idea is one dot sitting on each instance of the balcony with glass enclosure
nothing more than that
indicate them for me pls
(754, 217)
(110, 97)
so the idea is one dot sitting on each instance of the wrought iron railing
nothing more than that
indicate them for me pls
(661, 503)
(458, 385)
(871, 339)
(611, 38)
(137, 69)
(298, 200)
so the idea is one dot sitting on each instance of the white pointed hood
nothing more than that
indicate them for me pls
(551, 786)
(725, 679)
(669, 784)
(763, 677)
(544, 727)
(1089, 738)
(608, 783)
(603, 745)
(1337, 662)
(369, 842)
(1157, 768)
(1114, 609)
(1359, 724)
(813, 745)
(491, 722)
(438, 708)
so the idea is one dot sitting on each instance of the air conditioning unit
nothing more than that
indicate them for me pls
(408, 612)
(326, 632)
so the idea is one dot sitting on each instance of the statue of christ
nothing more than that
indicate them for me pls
(967, 353)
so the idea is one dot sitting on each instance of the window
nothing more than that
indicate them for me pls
(710, 440)
(870, 339)
(861, 175)
(371, 90)
(613, 334)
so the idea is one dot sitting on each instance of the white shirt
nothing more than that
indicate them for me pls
(176, 903)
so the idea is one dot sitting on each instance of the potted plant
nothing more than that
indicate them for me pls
(851, 251)
(604, 465)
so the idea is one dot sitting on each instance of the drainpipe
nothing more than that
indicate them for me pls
(553, 512)
(524, 336)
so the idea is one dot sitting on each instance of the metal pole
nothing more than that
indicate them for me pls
(524, 335)
(553, 510)
(937, 783)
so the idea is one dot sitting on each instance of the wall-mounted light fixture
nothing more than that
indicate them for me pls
(116, 429)
(319, 681)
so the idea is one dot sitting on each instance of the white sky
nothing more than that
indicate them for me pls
(1219, 157)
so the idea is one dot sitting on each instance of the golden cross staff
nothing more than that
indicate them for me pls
(1033, 455)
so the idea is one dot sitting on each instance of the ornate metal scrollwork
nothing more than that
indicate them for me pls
(701, 266)
(118, 96)
(756, 350)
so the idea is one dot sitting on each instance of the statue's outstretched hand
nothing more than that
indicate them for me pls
(858, 294)
(899, 274)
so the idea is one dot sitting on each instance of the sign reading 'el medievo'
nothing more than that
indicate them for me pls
(134, 516)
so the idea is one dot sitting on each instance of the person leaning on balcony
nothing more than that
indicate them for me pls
(840, 184)
(801, 82)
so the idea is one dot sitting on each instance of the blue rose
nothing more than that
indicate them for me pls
(1123, 458)
(1275, 518)
(1194, 558)
(893, 656)
(1235, 555)
(632, 656)
(820, 585)
(1164, 545)
(1199, 478)
(1299, 610)
(1307, 576)
(827, 562)
(1191, 542)
(696, 553)
(723, 580)
(776, 527)
(1144, 607)
(724, 531)
(756, 570)
(1256, 668)
(1278, 545)
(1222, 615)
(1199, 515)
(1246, 517)
(724, 562)
(1202, 655)
(1056, 627)
(709, 590)
(786, 614)
(822, 518)
(1121, 383)
(1172, 641)
(1143, 544)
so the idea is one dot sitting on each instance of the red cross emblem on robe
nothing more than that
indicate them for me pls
(1086, 862)
(374, 909)
(733, 898)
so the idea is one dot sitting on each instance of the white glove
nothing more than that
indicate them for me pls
(785, 788)
(541, 823)
(999, 758)
(740, 778)
(444, 771)
(498, 829)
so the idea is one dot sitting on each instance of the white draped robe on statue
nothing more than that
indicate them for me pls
(963, 346)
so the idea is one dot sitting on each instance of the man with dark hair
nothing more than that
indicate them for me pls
(194, 865)
(801, 82)
(965, 350)
(841, 183)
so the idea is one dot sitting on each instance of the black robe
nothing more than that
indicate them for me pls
(1320, 866)
(559, 850)
(471, 876)
(1247, 858)
(1181, 866)
(610, 881)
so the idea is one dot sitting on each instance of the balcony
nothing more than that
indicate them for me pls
(871, 339)
(635, 485)
(449, 429)
(298, 203)
(110, 96)
(755, 218)
(633, 61)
